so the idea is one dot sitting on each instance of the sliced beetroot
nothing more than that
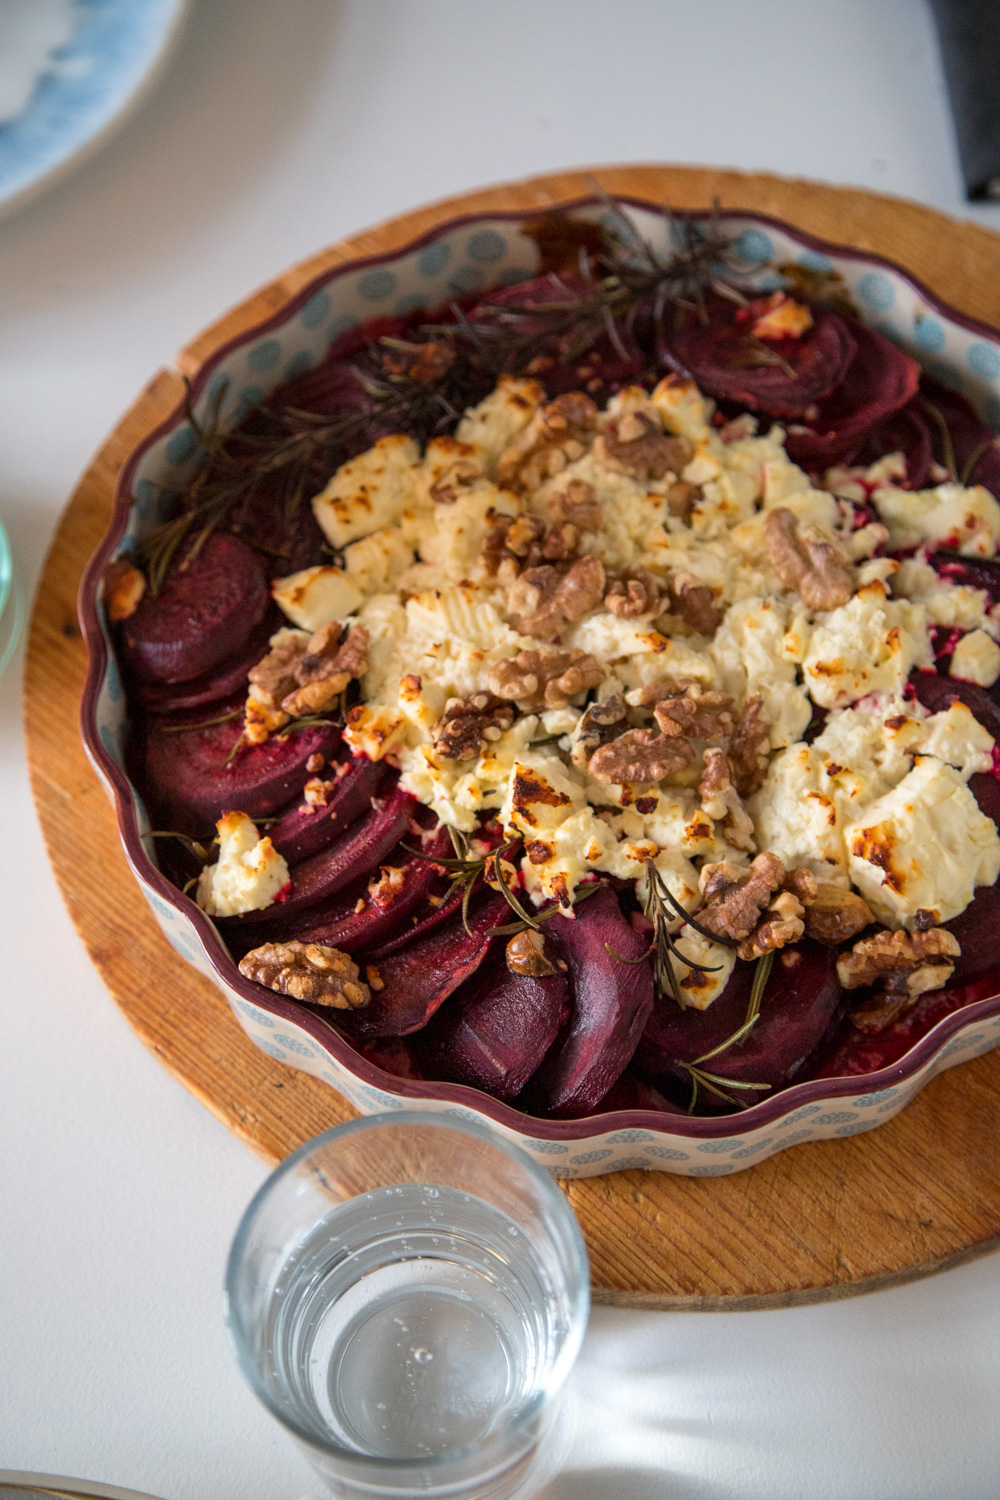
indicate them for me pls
(192, 779)
(938, 693)
(977, 930)
(428, 921)
(879, 381)
(393, 1055)
(302, 830)
(204, 613)
(224, 681)
(977, 572)
(357, 922)
(857, 1052)
(973, 446)
(322, 875)
(905, 432)
(799, 1004)
(725, 361)
(612, 1000)
(495, 1034)
(632, 1092)
(410, 986)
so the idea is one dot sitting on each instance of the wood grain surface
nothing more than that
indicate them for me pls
(820, 1220)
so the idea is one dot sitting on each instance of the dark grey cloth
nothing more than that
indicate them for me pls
(969, 31)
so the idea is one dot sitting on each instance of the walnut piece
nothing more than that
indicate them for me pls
(635, 444)
(326, 667)
(546, 678)
(695, 603)
(558, 434)
(271, 680)
(424, 362)
(904, 964)
(640, 755)
(833, 914)
(578, 504)
(781, 924)
(516, 543)
(735, 895)
(750, 747)
(720, 800)
(456, 478)
(124, 587)
(307, 971)
(700, 713)
(526, 954)
(468, 726)
(543, 600)
(681, 498)
(805, 557)
(595, 727)
(633, 593)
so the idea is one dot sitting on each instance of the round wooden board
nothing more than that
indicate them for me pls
(818, 1221)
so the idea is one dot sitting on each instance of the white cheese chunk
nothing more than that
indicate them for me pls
(493, 425)
(368, 492)
(315, 596)
(755, 649)
(967, 520)
(250, 872)
(976, 658)
(869, 645)
(923, 846)
(697, 982)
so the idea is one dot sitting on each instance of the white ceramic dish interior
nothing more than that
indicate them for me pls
(467, 255)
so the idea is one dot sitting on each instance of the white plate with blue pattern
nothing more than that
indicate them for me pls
(70, 70)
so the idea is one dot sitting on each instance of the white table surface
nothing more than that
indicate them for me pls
(280, 126)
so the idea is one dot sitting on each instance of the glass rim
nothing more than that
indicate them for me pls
(578, 1280)
(6, 567)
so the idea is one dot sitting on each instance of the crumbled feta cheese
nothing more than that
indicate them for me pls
(315, 596)
(967, 520)
(946, 603)
(250, 873)
(923, 846)
(368, 492)
(976, 658)
(755, 649)
(698, 985)
(493, 425)
(869, 645)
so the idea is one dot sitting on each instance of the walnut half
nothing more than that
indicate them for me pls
(808, 559)
(307, 971)
(468, 726)
(904, 964)
(546, 678)
(640, 755)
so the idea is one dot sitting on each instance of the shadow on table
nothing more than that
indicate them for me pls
(625, 1484)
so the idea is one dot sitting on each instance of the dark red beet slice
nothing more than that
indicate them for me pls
(322, 875)
(857, 1053)
(203, 614)
(631, 1092)
(612, 1001)
(342, 925)
(798, 1006)
(302, 830)
(905, 432)
(977, 458)
(719, 358)
(189, 778)
(977, 572)
(416, 981)
(427, 923)
(879, 381)
(495, 1034)
(225, 680)
(393, 1055)
(938, 693)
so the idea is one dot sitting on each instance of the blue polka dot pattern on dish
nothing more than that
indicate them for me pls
(113, 683)
(836, 1117)
(315, 310)
(751, 1150)
(375, 286)
(407, 305)
(465, 279)
(853, 1129)
(929, 334)
(182, 944)
(181, 445)
(271, 1050)
(812, 260)
(754, 245)
(294, 1045)
(714, 1147)
(877, 1098)
(668, 1153)
(260, 1016)
(717, 1169)
(299, 364)
(433, 258)
(548, 1148)
(877, 290)
(629, 1137)
(587, 1158)
(250, 396)
(486, 246)
(514, 274)
(985, 360)
(632, 1164)
(802, 1114)
(796, 1137)
(340, 325)
(148, 501)
(264, 356)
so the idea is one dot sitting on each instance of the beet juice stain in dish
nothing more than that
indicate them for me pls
(617, 732)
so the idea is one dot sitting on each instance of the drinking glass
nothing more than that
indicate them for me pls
(407, 1294)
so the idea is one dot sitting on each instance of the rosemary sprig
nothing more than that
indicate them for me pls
(193, 846)
(972, 462)
(234, 713)
(581, 894)
(717, 1086)
(662, 908)
(712, 1081)
(947, 447)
